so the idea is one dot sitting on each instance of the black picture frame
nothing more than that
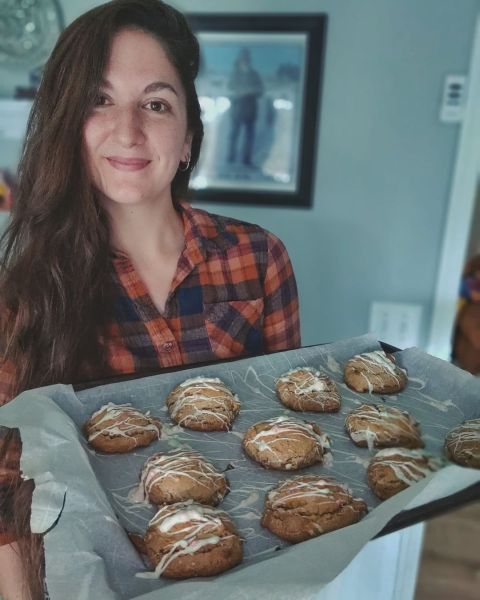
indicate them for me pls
(276, 71)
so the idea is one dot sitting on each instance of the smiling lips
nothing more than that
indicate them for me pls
(127, 164)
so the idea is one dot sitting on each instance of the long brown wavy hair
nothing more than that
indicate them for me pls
(55, 272)
(56, 289)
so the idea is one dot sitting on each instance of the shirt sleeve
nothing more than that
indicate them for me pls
(281, 326)
(7, 380)
(10, 452)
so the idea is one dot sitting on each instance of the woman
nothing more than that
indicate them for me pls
(106, 270)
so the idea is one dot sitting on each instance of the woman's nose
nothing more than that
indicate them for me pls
(128, 127)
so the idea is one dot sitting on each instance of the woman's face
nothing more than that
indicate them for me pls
(136, 135)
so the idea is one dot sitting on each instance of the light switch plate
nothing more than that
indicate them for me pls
(453, 99)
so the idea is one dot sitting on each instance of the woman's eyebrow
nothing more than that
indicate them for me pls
(159, 85)
(151, 87)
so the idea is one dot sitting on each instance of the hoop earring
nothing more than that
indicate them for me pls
(185, 166)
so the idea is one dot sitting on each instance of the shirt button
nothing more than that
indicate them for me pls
(168, 346)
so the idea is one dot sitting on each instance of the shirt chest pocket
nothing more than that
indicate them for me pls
(235, 327)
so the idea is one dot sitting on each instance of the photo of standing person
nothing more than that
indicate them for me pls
(246, 87)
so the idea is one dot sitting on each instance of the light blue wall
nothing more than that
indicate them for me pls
(384, 160)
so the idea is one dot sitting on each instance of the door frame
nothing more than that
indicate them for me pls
(459, 214)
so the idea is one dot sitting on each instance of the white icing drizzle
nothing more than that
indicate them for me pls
(333, 364)
(321, 490)
(465, 439)
(403, 452)
(301, 487)
(252, 380)
(279, 428)
(393, 425)
(196, 520)
(306, 381)
(191, 395)
(371, 362)
(407, 465)
(178, 464)
(250, 500)
(119, 420)
(201, 379)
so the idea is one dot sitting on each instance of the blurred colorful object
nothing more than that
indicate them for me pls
(470, 282)
(6, 190)
(466, 334)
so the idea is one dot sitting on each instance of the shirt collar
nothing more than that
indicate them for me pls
(204, 234)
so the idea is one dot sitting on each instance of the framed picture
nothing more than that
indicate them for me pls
(259, 90)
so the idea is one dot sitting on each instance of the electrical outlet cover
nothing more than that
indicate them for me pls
(396, 323)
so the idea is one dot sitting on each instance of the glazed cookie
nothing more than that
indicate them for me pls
(182, 475)
(394, 469)
(286, 443)
(462, 444)
(203, 404)
(308, 505)
(191, 540)
(120, 428)
(305, 388)
(375, 372)
(380, 426)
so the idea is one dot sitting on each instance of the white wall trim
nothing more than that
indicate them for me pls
(459, 215)
(408, 562)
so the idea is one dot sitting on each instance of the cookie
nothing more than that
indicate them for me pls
(120, 428)
(380, 426)
(286, 443)
(137, 541)
(375, 372)
(305, 388)
(394, 469)
(182, 475)
(307, 506)
(462, 444)
(191, 540)
(203, 404)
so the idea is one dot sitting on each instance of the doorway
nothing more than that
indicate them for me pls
(460, 214)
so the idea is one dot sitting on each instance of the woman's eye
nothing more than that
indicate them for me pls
(156, 106)
(101, 100)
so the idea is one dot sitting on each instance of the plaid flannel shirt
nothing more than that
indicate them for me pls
(233, 294)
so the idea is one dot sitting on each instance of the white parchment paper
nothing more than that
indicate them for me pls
(81, 497)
